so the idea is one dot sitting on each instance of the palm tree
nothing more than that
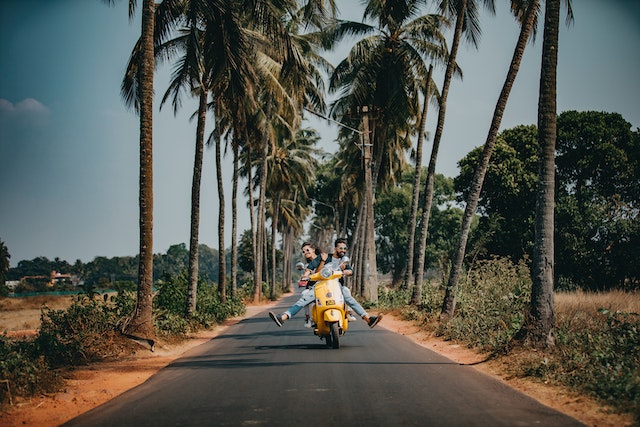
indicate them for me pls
(141, 322)
(288, 81)
(540, 323)
(396, 47)
(189, 75)
(466, 13)
(291, 172)
(215, 58)
(431, 92)
(527, 11)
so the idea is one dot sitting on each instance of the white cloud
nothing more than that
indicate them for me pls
(28, 111)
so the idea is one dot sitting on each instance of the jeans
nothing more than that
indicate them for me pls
(308, 296)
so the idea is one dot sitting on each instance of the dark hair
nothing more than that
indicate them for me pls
(313, 245)
(340, 240)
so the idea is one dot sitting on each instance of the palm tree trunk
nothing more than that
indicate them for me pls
(142, 321)
(540, 323)
(257, 290)
(260, 223)
(192, 289)
(274, 236)
(449, 303)
(431, 171)
(356, 253)
(234, 222)
(222, 264)
(416, 184)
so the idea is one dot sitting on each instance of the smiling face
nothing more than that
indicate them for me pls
(340, 250)
(308, 252)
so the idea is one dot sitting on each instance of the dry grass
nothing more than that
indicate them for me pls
(580, 301)
(18, 314)
(577, 310)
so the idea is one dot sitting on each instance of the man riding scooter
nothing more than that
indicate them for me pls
(340, 249)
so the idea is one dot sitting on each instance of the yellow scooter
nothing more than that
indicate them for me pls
(329, 310)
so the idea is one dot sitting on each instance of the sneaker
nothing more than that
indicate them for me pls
(277, 318)
(374, 320)
(307, 323)
(351, 318)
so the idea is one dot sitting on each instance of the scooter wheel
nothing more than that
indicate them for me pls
(328, 341)
(335, 335)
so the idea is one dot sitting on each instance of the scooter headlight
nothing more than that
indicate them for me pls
(326, 272)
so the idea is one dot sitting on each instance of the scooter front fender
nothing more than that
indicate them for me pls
(333, 315)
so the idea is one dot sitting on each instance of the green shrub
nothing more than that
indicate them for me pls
(88, 330)
(211, 308)
(22, 371)
(172, 297)
(84, 332)
(391, 299)
(599, 353)
(491, 303)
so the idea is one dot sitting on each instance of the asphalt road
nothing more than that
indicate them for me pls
(258, 374)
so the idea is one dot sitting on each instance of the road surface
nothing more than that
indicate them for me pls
(257, 374)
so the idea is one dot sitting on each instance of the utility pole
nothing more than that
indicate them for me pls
(371, 282)
(368, 271)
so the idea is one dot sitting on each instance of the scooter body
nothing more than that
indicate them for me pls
(329, 310)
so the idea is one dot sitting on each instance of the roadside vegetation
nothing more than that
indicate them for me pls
(590, 190)
(90, 330)
(597, 351)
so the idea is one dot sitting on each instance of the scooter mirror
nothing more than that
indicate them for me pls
(300, 266)
(345, 259)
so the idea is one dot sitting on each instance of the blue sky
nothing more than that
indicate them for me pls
(69, 147)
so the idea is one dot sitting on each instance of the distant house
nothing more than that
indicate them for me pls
(12, 284)
(55, 278)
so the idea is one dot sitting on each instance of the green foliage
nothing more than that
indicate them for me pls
(170, 304)
(105, 273)
(507, 199)
(597, 227)
(210, 307)
(88, 330)
(596, 353)
(491, 302)
(597, 219)
(599, 353)
(392, 299)
(392, 215)
(84, 332)
(25, 372)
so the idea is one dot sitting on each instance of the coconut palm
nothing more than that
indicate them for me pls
(467, 24)
(289, 80)
(397, 46)
(527, 12)
(540, 323)
(215, 56)
(190, 76)
(141, 322)
(292, 165)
